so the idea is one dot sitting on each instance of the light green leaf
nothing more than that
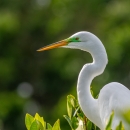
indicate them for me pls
(44, 125)
(49, 127)
(69, 109)
(69, 121)
(40, 119)
(76, 111)
(72, 100)
(28, 120)
(36, 125)
(56, 126)
(108, 127)
(120, 126)
(75, 122)
(71, 103)
(127, 116)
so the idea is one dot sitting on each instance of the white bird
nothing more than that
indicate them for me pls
(112, 97)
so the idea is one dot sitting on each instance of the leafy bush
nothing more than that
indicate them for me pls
(38, 123)
(75, 118)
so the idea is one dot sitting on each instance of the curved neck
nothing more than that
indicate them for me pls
(88, 104)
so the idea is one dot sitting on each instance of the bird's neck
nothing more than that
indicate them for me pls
(88, 104)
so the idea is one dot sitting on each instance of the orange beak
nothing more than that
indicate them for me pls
(54, 45)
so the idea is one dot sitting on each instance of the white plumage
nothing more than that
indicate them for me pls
(112, 97)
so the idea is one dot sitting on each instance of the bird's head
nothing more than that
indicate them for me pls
(81, 40)
(85, 41)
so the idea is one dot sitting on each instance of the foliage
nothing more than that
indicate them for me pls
(76, 119)
(38, 123)
(109, 124)
(126, 115)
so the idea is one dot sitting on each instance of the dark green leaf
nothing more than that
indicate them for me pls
(120, 126)
(69, 121)
(75, 122)
(89, 125)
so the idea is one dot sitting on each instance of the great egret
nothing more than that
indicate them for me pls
(113, 96)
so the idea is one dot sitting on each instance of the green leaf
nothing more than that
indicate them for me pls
(75, 122)
(49, 127)
(69, 109)
(72, 100)
(36, 125)
(80, 116)
(108, 127)
(76, 111)
(44, 125)
(69, 120)
(40, 119)
(28, 120)
(56, 126)
(95, 127)
(71, 103)
(120, 126)
(89, 125)
(127, 116)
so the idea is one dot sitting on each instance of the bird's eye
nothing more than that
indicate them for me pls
(76, 38)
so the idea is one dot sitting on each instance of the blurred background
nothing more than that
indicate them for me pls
(33, 81)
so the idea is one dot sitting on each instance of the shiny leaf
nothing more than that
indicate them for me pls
(56, 126)
(69, 106)
(49, 127)
(40, 119)
(36, 125)
(28, 120)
